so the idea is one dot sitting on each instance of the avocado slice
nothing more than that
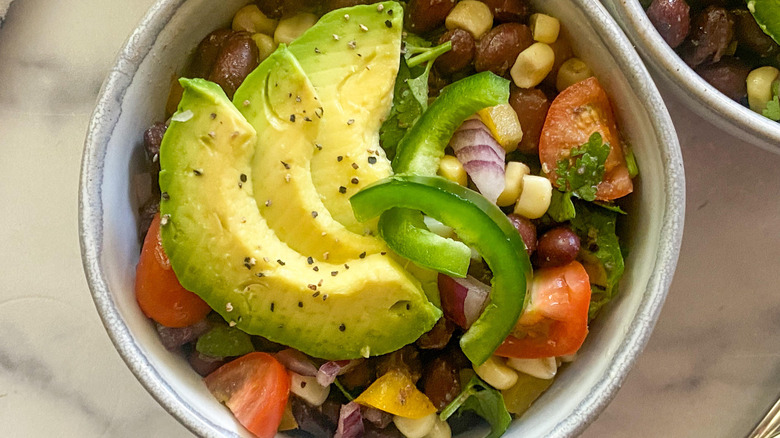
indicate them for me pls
(222, 248)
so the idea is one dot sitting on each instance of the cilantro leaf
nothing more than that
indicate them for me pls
(599, 251)
(488, 403)
(584, 169)
(561, 208)
(772, 110)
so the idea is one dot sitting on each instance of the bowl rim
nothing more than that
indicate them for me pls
(698, 94)
(90, 206)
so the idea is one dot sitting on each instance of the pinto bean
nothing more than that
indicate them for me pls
(563, 52)
(671, 19)
(438, 337)
(207, 52)
(507, 11)
(557, 247)
(527, 231)
(531, 106)
(711, 33)
(729, 76)
(426, 15)
(237, 58)
(498, 49)
(406, 359)
(461, 54)
(440, 381)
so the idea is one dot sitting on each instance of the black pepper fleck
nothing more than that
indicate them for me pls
(242, 177)
(213, 116)
(165, 196)
(408, 306)
(292, 117)
(342, 189)
(197, 172)
(315, 294)
(260, 275)
(371, 160)
(342, 327)
(281, 263)
(339, 158)
(316, 268)
(389, 12)
(346, 266)
(272, 307)
(354, 180)
(300, 303)
(309, 260)
(334, 273)
(383, 253)
(355, 166)
(286, 166)
(350, 121)
(388, 23)
(314, 214)
(362, 255)
(307, 118)
(318, 146)
(324, 297)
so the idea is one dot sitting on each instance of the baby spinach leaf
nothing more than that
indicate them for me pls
(488, 403)
(584, 169)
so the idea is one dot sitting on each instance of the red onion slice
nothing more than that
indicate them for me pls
(296, 362)
(462, 299)
(350, 422)
(329, 370)
(482, 157)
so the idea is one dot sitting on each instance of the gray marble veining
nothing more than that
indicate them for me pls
(711, 368)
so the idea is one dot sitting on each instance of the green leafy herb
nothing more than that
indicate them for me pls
(633, 168)
(561, 207)
(584, 169)
(772, 109)
(611, 206)
(224, 341)
(410, 94)
(478, 397)
(600, 251)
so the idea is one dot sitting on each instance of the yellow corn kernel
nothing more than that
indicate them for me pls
(251, 19)
(452, 169)
(415, 427)
(291, 28)
(495, 372)
(265, 45)
(535, 197)
(533, 65)
(472, 16)
(541, 368)
(503, 124)
(441, 429)
(544, 28)
(513, 183)
(759, 87)
(307, 388)
(572, 71)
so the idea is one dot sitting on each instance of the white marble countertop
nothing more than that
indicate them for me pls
(712, 366)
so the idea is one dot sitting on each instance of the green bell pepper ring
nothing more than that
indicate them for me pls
(419, 153)
(479, 223)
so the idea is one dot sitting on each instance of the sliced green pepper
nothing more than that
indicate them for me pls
(419, 153)
(479, 223)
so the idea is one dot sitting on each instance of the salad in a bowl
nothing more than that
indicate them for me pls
(382, 219)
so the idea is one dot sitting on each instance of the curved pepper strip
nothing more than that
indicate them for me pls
(419, 153)
(479, 223)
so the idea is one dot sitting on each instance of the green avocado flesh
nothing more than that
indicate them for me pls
(248, 227)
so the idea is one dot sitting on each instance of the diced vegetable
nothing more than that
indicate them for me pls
(252, 20)
(527, 389)
(350, 422)
(513, 183)
(462, 299)
(541, 368)
(307, 388)
(472, 16)
(534, 198)
(394, 392)
(452, 169)
(265, 45)
(495, 372)
(415, 427)
(573, 70)
(759, 87)
(533, 65)
(544, 28)
(503, 124)
(482, 157)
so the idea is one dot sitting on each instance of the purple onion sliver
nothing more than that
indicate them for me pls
(377, 417)
(480, 152)
(350, 422)
(297, 362)
(488, 176)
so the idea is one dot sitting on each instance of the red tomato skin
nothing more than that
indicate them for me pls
(158, 291)
(560, 300)
(255, 387)
(575, 114)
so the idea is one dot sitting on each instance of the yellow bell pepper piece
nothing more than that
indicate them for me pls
(395, 393)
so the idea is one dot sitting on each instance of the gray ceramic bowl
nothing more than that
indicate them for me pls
(133, 97)
(685, 83)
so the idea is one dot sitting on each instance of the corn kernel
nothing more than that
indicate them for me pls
(441, 429)
(265, 45)
(513, 183)
(759, 87)
(535, 197)
(544, 28)
(533, 65)
(503, 124)
(307, 388)
(452, 169)
(541, 368)
(415, 427)
(472, 16)
(572, 71)
(495, 372)
(251, 19)
(292, 27)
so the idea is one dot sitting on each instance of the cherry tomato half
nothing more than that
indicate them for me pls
(158, 291)
(575, 114)
(555, 322)
(255, 387)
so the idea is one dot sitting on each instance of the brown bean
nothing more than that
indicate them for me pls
(729, 76)
(461, 54)
(425, 15)
(750, 36)
(557, 247)
(152, 140)
(527, 231)
(204, 365)
(711, 33)
(438, 337)
(531, 106)
(440, 381)
(507, 11)
(671, 19)
(406, 359)
(207, 52)
(498, 49)
(237, 58)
